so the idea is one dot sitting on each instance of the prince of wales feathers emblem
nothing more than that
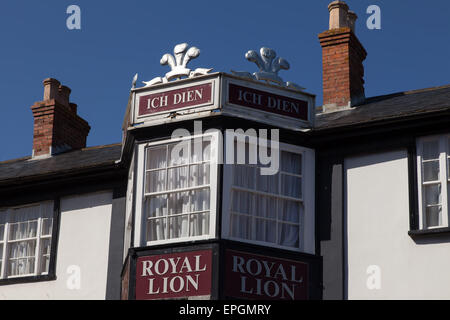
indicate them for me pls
(178, 65)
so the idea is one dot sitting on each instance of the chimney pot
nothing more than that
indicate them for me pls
(338, 15)
(64, 95)
(73, 107)
(352, 20)
(51, 88)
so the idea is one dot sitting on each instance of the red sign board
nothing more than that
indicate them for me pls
(267, 101)
(175, 99)
(174, 275)
(264, 278)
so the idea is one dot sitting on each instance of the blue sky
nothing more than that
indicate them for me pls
(120, 38)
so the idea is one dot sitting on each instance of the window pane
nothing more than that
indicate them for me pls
(199, 224)
(199, 175)
(155, 181)
(45, 264)
(433, 194)
(244, 176)
(265, 231)
(288, 235)
(45, 255)
(178, 153)
(45, 246)
(448, 168)
(156, 157)
(241, 226)
(47, 225)
(178, 227)
(290, 211)
(448, 147)
(178, 202)
(242, 202)
(156, 229)
(21, 267)
(431, 150)
(200, 200)
(245, 153)
(431, 171)
(23, 230)
(291, 162)
(266, 207)
(2, 233)
(433, 216)
(291, 186)
(200, 150)
(267, 183)
(156, 206)
(1, 252)
(177, 178)
(22, 249)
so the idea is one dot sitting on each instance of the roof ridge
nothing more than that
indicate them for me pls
(399, 94)
(427, 89)
(15, 160)
(101, 146)
(83, 149)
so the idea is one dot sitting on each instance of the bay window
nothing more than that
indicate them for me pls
(272, 210)
(179, 190)
(433, 159)
(25, 240)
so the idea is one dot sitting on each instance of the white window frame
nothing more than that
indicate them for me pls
(306, 232)
(139, 235)
(38, 238)
(444, 156)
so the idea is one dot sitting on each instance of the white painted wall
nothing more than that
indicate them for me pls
(84, 243)
(377, 234)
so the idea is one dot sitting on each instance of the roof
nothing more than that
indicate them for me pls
(388, 107)
(394, 106)
(77, 160)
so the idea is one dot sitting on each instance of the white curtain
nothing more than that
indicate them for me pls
(156, 158)
(23, 223)
(171, 215)
(155, 181)
(199, 222)
(156, 208)
(291, 162)
(288, 233)
(273, 219)
(177, 178)
(244, 176)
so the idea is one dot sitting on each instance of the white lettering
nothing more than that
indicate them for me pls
(157, 265)
(147, 268)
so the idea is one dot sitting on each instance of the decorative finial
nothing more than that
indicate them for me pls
(133, 83)
(177, 63)
(268, 67)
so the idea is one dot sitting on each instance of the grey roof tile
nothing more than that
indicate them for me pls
(392, 106)
(65, 162)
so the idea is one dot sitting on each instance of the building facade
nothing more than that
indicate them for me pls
(235, 186)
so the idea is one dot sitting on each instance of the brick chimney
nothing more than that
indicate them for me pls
(342, 60)
(57, 127)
